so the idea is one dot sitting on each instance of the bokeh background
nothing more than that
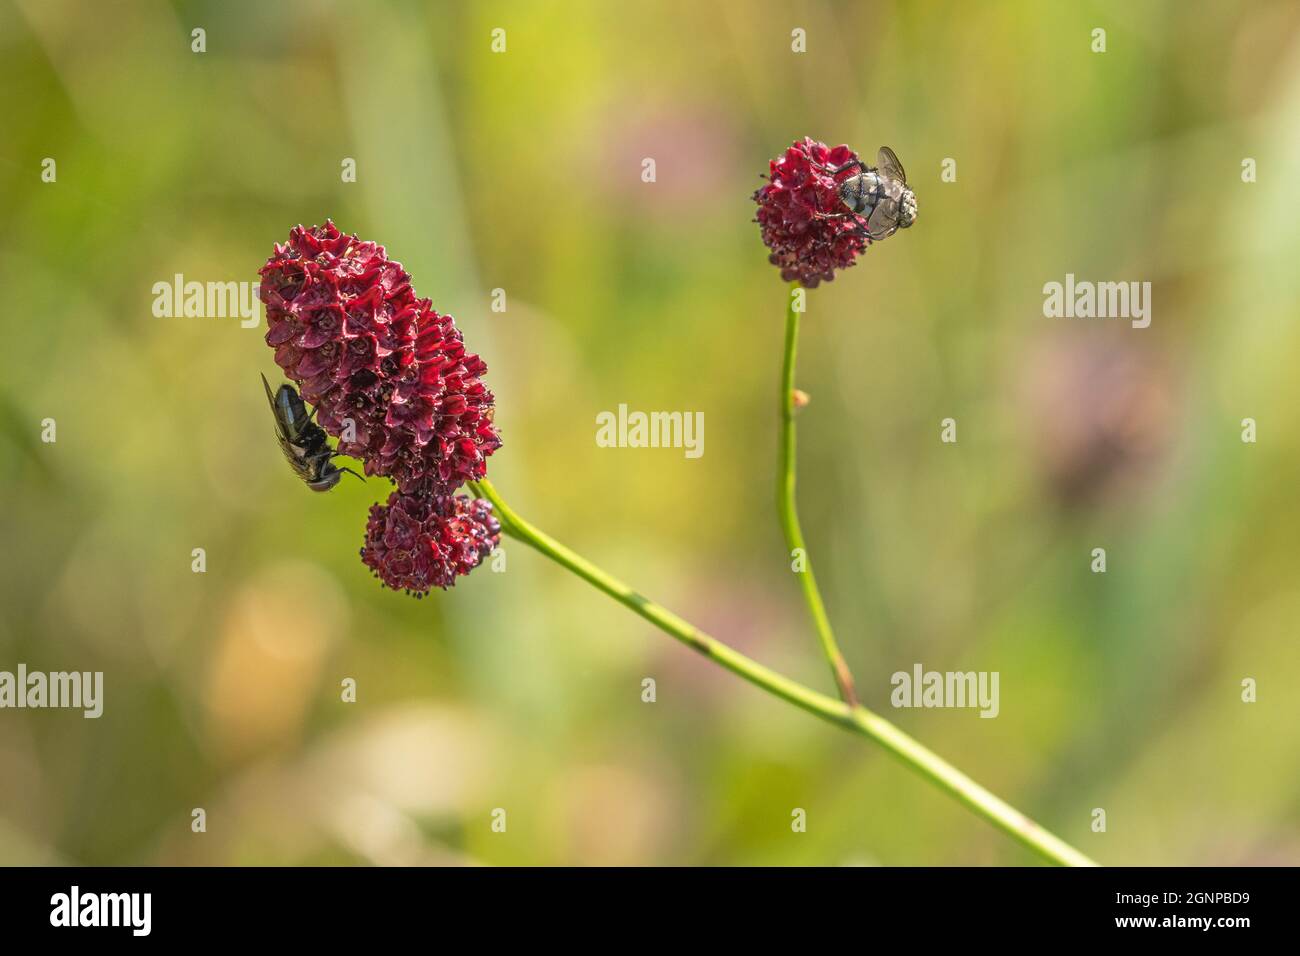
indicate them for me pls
(522, 689)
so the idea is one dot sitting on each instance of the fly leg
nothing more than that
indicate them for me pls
(859, 229)
(339, 454)
(851, 164)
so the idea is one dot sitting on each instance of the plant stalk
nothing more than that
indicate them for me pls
(855, 718)
(787, 507)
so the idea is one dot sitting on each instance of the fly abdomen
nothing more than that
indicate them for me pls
(861, 192)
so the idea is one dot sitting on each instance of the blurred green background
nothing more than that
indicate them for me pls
(522, 690)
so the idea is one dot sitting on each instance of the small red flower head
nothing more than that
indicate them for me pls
(418, 542)
(347, 327)
(800, 193)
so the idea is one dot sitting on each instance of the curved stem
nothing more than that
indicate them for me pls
(853, 718)
(786, 506)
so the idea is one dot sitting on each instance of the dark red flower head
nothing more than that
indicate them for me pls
(418, 542)
(347, 327)
(800, 193)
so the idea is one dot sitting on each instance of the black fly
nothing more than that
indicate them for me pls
(304, 443)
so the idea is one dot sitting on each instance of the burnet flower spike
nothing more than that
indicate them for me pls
(391, 380)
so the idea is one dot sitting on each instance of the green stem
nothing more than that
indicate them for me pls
(854, 718)
(787, 508)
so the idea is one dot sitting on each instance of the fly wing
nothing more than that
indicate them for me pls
(269, 397)
(291, 412)
(282, 410)
(281, 424)
(884, 219)
(890, 166)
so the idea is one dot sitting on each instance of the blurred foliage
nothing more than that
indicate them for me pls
(521, 690)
